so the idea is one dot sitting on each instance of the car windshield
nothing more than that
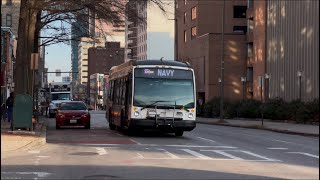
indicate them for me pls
(149, 92)
(73, 106)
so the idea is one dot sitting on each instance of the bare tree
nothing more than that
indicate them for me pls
(36, 15)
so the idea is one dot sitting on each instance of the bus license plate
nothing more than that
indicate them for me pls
(73, 121)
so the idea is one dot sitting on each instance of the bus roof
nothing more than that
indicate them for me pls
(149, 62)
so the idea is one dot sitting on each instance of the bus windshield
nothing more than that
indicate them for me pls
(149, 92)
(61, 96)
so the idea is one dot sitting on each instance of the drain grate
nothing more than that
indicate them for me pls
(100, 177)
(84, 153)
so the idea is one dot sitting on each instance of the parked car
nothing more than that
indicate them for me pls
(73, 113)
(53, 106)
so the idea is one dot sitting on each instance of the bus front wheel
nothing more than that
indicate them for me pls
(179, 133)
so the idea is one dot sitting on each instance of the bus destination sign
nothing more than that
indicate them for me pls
(163, 73)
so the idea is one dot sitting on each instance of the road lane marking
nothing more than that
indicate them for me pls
(119, 134)
(285, 141)
(38, 174)
(101, 151)
(34, 152)
(275, 148)
(43, 156)
(169, 154)
(140, 156)
(134, 141)
(224, 154)
(307, 154)
(259, 156)
(206, 139)
(194, 153)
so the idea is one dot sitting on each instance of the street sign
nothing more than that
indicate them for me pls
(58, 72)
(34, 61)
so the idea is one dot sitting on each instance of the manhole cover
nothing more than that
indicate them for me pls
(100, 177)
(84, 153)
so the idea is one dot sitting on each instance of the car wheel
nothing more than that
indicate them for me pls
(179, 133)
(57, 127)
(87, 126)
(51, 115)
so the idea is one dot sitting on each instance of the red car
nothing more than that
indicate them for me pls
(72, 114)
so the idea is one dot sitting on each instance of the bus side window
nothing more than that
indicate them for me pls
(124, 94)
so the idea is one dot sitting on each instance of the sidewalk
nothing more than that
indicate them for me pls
(281, 127)
(21, 139)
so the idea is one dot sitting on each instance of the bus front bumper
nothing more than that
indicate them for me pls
(184, 125)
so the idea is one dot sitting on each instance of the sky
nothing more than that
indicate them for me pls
(58, 56)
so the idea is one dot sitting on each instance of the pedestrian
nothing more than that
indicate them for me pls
(9, 104)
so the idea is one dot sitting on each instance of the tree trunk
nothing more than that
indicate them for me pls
(25, 47)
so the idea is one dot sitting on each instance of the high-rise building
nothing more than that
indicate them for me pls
(10, 12)
(151, 35)
(199, 41)
(79, 29)
(84, 45)
(66, 79)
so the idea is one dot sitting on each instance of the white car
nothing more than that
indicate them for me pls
(54, 105)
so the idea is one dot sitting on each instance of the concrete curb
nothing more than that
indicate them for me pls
(262, 128)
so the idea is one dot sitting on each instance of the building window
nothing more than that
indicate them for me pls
(239, 11)
(250, 3)
(9, 2)
(85, 59)
(9, 20)
(84, 76)
(240, 29)
(249, 74)
(194, 13)
(250, 50)
(185, 36)
(185, 2)
(193, 32)
(84, 70)
(185, 17)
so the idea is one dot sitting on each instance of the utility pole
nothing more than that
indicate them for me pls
(222, 65)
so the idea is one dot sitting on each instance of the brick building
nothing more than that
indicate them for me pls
(101, 59)
(199, 41)
(10, 12)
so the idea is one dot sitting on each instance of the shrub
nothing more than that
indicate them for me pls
(249, 108)
(276, 109)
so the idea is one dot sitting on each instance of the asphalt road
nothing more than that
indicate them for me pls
(207, 152)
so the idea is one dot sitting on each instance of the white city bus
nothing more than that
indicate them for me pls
(152, 94)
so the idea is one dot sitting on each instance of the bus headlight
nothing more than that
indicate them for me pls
(190, 115)
(136, 113)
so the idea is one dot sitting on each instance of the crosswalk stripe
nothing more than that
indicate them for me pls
(307, 154)
(224, 154)
(169, 154)
(194, 153)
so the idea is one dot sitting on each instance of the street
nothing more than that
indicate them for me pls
(207, 152)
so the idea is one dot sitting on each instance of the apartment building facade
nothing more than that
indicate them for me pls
(10, 12)
(199, 41)
(84, 45)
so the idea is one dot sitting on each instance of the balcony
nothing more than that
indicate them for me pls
(132, 35)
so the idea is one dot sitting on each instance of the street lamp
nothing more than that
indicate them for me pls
(222, 65)
(299, 74)
(243, 80)
(267, 79)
